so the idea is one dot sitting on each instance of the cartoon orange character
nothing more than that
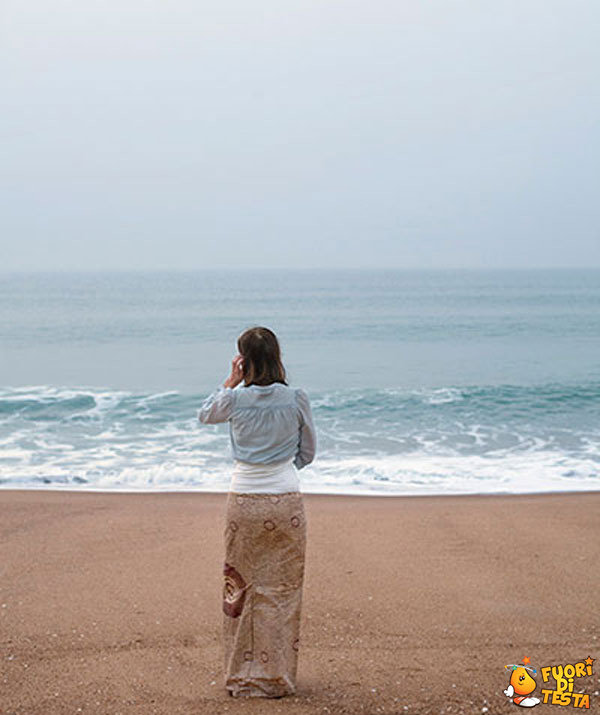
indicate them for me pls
(521, 685)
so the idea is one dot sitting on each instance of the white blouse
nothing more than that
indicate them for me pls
(274, 478)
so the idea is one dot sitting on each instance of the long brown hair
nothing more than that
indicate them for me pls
(262, 357)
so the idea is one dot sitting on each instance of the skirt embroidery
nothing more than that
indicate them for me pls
(265, 543)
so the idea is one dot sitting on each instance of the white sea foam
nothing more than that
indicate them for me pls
(158, 396)
(106, 401)
(439, 396)
(391, 441)
(106, 468)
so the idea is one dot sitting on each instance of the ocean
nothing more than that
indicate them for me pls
(421, 382)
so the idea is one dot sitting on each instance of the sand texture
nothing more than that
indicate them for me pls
(111, 603)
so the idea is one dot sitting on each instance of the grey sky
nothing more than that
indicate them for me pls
(188, 134)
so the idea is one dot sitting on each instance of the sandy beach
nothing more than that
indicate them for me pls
(111, 603)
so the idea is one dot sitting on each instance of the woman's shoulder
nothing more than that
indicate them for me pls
(275, 393)
(294, 390)
(302, 399)
(289, 393)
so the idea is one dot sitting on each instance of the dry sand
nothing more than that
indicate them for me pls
(111, 603)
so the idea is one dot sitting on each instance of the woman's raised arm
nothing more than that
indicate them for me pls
(217, 407)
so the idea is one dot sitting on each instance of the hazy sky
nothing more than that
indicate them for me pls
(188, 134)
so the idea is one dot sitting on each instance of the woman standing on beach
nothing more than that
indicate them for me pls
(272, 437)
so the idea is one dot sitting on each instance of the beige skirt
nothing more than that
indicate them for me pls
(265, 543)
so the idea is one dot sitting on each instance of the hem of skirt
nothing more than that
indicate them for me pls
(259, 687)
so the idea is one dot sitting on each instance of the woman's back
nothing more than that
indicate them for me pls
(267, 423)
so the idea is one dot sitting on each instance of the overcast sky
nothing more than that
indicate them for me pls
(188, 134)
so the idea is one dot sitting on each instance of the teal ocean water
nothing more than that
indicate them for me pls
(421, 382)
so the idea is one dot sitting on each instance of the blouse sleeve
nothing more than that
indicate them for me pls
(217, 407)
(307, 437)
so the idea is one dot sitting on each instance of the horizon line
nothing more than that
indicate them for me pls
(296, 268)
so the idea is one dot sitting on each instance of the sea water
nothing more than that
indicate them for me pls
(421, 382)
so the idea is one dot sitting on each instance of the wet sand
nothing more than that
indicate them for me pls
(111, 603)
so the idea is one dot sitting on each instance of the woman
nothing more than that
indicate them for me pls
(272, 437)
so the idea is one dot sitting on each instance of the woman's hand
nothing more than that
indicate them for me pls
(236, 372)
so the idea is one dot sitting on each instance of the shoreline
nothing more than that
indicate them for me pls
(77, 490)
(111, 601)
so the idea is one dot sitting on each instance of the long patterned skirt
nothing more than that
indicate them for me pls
(265, 543)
